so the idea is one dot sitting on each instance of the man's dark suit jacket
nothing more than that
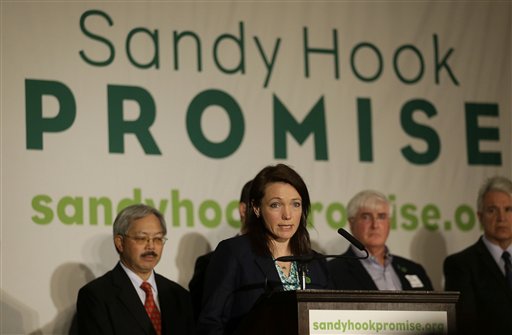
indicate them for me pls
(485, 302)
(236, 278)
(110, 305)
(350, 274)
(195, 286)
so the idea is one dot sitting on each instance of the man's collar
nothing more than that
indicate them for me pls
(136, 280)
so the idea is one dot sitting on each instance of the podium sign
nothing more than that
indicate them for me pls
(336, 322)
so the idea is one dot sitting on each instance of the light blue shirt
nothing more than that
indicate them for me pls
(137, 281)
(384, 276)
(496, 253)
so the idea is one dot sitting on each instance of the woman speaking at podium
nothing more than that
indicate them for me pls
(245, 267)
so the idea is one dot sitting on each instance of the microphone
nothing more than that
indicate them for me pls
(351, 239)
(301, 258)
(310, 257)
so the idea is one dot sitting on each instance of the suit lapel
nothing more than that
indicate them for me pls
(359, 272)
(492, 268)
(167, 305)
(399, 270)
(268, 269)
(129, 297)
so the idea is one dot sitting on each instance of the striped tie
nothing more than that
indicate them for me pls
(151, 309)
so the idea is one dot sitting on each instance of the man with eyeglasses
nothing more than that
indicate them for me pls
(132, 298)
(369, 216)
(482, 273)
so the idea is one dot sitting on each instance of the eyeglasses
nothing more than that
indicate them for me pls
(143, 240)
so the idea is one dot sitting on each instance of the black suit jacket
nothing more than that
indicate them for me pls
(236, 278)
(485, 302)
(195, 286)
(350, 274)
(110, 305)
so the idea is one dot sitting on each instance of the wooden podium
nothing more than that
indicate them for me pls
(288, 313)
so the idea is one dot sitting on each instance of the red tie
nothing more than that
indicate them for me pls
(151, 309)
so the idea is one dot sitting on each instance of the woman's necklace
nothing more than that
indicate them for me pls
(282, 265)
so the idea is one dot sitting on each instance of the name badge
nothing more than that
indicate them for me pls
(414, 281)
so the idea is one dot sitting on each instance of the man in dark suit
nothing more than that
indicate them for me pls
(196, 284)
(132, 298)
(479, 272)
(369, 215)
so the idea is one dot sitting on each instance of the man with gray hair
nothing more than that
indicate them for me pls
(482, 273)
(369, 217)
(132, 298)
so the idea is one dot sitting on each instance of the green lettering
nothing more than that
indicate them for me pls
(231, 209)
(443, 63)
(314, 123)
(162, 204)
(421, 63)
(177, 39)
(465, 218)
(333, 51)
(336, 209)
(39, 203)
(392, 199)
(430, 212)
(408, 213)
(417, 130)
(268, 64)
(239, 42)
(36, 124)
(125, 202)
(475, 134)
(104, 202)
(380, 66)
(98, 38)
(315, 207)
(364, 123)
(177, 204)
(118, 126)
(76, 205)
(237, 128)
(212, 206)
(153, 35)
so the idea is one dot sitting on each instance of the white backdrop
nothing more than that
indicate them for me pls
(412, 99)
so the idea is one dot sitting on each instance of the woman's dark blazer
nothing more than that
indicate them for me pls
(236, 278)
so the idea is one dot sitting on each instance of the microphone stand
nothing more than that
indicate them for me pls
(303, 268)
